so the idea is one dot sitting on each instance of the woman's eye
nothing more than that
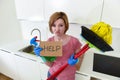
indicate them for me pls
(53, 26)
(61, 25)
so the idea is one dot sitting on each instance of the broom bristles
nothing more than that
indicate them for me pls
(94, 39)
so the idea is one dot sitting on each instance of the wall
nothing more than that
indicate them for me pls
(28, 26)
(9, 26)
(115, 40)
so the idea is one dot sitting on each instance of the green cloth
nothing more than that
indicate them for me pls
(50, 59)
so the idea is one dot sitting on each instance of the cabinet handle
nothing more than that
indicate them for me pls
(5, 51)
(25, 57)
(81, 74)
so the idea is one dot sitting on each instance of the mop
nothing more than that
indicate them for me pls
(93, 40)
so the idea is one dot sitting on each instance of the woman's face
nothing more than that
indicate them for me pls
(58, 28)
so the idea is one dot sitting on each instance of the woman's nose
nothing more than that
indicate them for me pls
(57, 28)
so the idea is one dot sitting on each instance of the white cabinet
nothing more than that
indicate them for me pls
(111, 12)
(81, 11)
(7, 64)
(29, 9)
(79, 76)
(20, 67)
(43, 71)
(28, 69)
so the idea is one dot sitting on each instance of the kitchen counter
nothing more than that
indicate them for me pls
(86, 67)
(14, 48)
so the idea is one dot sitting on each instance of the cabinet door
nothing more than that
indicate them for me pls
(111, 12)
(44, 71)
(86, 12)
(28, 69)
(7, 65)
(30, 9)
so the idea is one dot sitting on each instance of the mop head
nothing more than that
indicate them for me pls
(95, 40)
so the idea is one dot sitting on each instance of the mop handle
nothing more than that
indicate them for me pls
(57, 72)
(82, 51)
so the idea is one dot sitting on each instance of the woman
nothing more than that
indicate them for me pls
(58, 25)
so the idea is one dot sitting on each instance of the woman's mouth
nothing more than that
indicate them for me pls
(57, 32)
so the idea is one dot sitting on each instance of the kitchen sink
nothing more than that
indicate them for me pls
(28, 49)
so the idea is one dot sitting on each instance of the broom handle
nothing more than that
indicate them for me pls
(57, 72)
(82, 51)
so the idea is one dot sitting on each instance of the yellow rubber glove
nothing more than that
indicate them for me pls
(103, 30)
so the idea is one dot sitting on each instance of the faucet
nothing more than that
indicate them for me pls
(38, 31)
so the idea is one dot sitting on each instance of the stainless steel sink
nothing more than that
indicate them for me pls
(28, 49)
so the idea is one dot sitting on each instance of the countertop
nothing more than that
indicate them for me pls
(14, 48)
(86, 67)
